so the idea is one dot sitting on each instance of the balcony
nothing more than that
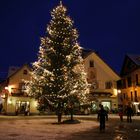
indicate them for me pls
(101, 94)
(102, 86)
(18, 92)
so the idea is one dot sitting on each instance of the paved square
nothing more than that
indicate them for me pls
(42, 128)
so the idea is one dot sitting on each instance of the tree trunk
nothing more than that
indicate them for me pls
(71, 113)
(59, 117)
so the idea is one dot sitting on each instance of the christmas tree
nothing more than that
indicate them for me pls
(58, 79)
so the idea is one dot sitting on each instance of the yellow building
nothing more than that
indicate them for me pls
(129, 84)
(15, 99)
(103, 81)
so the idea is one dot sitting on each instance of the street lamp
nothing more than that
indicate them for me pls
(119, 98)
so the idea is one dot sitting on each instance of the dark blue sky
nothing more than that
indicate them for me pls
(111, 27)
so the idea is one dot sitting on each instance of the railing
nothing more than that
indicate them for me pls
(18, 92)
(96, 85)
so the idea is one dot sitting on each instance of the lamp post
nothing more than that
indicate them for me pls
(119, 98)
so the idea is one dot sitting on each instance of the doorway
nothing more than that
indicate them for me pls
(22, 107)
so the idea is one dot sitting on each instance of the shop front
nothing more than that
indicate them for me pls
(136, 107)
(104, 98)
(20, 106)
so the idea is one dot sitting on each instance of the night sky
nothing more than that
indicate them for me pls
(109, 27)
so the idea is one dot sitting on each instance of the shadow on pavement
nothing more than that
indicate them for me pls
(115, 130)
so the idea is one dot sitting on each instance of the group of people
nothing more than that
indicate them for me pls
(103, 115)
(128, 111)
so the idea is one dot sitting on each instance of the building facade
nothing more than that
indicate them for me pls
(14, 96)
(129, 84)
(101, 78)
(103, 81)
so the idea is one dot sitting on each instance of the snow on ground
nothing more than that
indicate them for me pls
(46, 129)
(40, 129)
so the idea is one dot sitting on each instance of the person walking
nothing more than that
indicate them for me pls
(129, 113)
(102, 117)
(121, 114)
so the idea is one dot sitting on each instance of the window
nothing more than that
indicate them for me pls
(25, 72)
(129, 81)
(137, 79)
(108, 85)
(91, 63)
(106, 104)
(131, 96)
(22, 87)
(136, 97)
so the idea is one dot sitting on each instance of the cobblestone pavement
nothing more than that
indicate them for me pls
(44, 128)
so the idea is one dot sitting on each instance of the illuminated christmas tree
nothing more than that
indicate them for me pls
(58, 80)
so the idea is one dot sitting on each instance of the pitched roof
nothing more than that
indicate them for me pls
(135, 58)
(130, 63)
(19, 70)
(9, 76)
(86, 52)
